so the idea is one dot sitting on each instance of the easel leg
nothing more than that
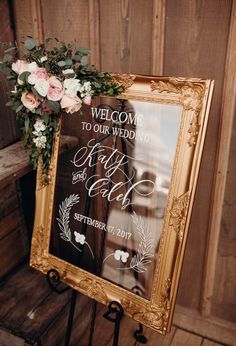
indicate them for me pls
(92, 325)
(139, 336)
(70, 318)
(115, 308)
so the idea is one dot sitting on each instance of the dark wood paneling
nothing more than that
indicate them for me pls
(195, 45)
(224, 302)
(126, 35)
(70, 20)
(9, 131)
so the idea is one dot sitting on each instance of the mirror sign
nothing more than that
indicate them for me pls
(114, 218)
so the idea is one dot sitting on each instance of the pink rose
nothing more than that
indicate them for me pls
(87, 100)
(55, 91)
(19, 66)
(29, 100)
(71, 104)
(41, 73)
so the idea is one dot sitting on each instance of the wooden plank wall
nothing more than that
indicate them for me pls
(13, 245)
(201, 37)
(8, 129)
(179, 38)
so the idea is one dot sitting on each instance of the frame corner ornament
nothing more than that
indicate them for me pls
(155, 315)
(178, 214)
(126, 79)
(190, 95)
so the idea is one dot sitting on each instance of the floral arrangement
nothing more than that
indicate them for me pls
(50, 79)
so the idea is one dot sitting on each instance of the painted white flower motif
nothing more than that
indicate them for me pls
(68, 71)
(41, 86)
(44, 58)
(39, 126)
(120, 255)
(79, 238)
(40, 141)
(72, 86)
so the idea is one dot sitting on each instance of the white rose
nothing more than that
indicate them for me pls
(86, 89)
(41, 86)
(40, 142)
(32, 66)
(72, 86)
(39, 125)
(71, 104)
(87, 86)
(19, 66)
(32, 79)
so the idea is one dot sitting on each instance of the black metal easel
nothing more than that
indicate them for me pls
(115, 311)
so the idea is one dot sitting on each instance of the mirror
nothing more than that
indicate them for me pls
(114, 218)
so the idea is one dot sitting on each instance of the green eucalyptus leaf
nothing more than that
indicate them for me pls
(9, 103)
(84, 60)
(4, 68)
(38, 111)
(27, 124)
(34, 91)
(45, 117)
(76, 58)
(29, 43)
(7, 59)
(61, 63)
(68, 61)
(83, 51)
(53, 105)
(24, 76)
(19, 108)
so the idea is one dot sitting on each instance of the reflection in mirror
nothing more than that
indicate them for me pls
(112, 188)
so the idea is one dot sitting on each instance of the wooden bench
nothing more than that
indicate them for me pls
(14, 236)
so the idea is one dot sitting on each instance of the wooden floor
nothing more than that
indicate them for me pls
(31, 314)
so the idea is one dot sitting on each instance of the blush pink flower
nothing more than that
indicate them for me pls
(41, 73)
(87, 100)
(19, 66)
(71, 104)
(55, 91)
(30, 101)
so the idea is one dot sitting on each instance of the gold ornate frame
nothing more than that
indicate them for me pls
(194, 95)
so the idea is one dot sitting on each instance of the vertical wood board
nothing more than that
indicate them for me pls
(197, 33)
(67, 20)
(126, 36)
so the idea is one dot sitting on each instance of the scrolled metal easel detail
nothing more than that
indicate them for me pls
(190, 96)
(178, 214)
